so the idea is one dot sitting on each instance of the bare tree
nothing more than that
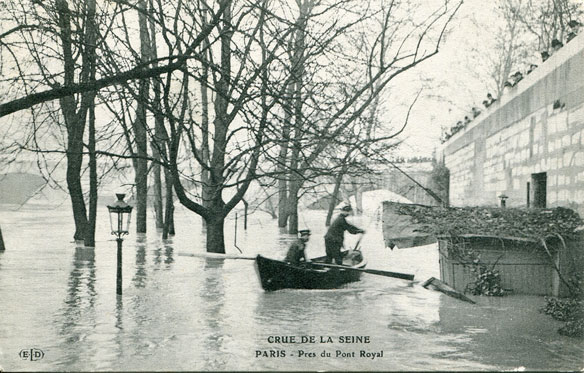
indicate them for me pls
(359, 75)
(34, 95)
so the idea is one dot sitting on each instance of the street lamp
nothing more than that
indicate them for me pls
(503, 197)
(120, 213)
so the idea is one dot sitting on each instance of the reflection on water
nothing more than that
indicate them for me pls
(79, 304)
(212, 296)
(139, 278)
(185, 313)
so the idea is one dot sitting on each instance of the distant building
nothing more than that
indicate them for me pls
(525, 145)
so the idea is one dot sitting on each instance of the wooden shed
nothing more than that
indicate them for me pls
(535, 251)
(525, 266)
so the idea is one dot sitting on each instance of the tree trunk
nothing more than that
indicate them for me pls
(358, 196)
(168, 228)
(334, 199)
(74, 122)
(282, 203)
(298, 72)
(215, 235)
(90, 236)
(89, 64)
(292, 206)
(140, 126)
(158, 206)
(160, 138)
(358, 200)
(171, 230)
(74, 160)
(2, 247)
(158, 146)
(205, 153)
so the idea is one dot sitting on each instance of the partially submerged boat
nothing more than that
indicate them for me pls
(276, 274)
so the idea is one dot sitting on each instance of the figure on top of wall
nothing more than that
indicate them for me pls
(475, 112)
(531, 68)
(556, 45)
(491, 99)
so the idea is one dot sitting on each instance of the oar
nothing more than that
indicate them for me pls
(218, 256)
(358, 242)
(403, 276)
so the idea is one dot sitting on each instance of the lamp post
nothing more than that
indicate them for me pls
(120, 213)
(503, 197)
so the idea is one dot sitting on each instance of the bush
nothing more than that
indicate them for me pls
(573, 329)
(569, 310)
(487, 282)
(564, 309)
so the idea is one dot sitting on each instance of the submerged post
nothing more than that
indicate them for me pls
(245, 205)
(119, 271)
(2, 247)
(235, 234)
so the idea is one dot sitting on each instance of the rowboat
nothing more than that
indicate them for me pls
(276, 274)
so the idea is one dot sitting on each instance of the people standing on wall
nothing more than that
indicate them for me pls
(491, 99)
(475, 112)
(532, 67)
(556, 45)
(517, 77)
(574, 29)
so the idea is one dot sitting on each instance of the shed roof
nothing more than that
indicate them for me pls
(521, 224)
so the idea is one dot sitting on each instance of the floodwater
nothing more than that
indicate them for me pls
(179, 312)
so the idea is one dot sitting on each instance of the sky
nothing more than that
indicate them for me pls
(452, 84)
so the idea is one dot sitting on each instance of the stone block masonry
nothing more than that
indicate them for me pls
(524, 145)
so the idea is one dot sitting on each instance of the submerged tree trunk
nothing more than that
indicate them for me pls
(283, 163)
(157, 179)
(74, 161)
(140, 128)
(74, 121)
(298, 72)
(358, 196)
(90, 236)
(295, 186)
(89, 63)
(168, 228)
(205, 153)
(215, 235)
(334, 199)
(2, 247)
(160, 136)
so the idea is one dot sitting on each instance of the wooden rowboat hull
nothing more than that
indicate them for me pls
(276, 274)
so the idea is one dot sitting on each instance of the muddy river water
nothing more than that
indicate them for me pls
(178, 312)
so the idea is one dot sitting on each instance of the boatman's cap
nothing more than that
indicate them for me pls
(347, 208)
(304, 232)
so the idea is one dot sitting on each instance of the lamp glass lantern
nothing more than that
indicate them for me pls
(120, 214)
(503, 197)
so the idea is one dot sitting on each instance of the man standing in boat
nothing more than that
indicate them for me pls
(296, 253)
(333, 240)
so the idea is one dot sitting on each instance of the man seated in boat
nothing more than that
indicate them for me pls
(333, 240)
(296, 253)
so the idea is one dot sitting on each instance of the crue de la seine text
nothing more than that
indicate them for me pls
(301, 353)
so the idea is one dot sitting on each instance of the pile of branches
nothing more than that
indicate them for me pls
(491, 221)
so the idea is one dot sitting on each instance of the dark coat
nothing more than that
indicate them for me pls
(296, 252)
(336, 231)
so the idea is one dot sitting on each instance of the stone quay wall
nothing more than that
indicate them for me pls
(523, 145)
